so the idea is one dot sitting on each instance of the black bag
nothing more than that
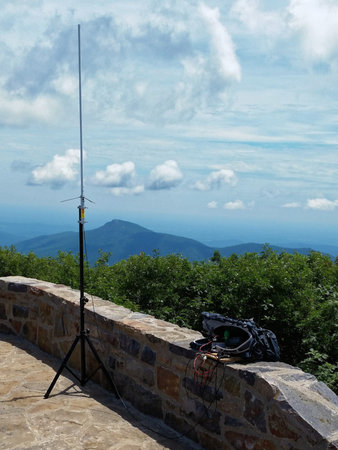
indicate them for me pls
(237, 337)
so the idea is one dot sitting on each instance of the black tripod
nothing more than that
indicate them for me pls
(83, 336)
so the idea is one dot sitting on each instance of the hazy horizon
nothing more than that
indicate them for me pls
(210, 233)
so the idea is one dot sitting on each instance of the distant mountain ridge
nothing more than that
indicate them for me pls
(124, 239)
(6, 238)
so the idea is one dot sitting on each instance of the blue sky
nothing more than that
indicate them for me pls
(215, 119)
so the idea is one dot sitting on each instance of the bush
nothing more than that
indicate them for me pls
(293, 295)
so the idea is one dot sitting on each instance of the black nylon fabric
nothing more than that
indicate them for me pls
(239, 337)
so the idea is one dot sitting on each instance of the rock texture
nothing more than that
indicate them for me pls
(71, 418)
(219, 405)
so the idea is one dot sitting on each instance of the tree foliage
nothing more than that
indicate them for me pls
(294, 295)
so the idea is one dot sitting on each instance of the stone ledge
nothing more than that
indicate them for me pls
(262, 405)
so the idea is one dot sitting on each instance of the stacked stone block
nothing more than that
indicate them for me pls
(221, 406)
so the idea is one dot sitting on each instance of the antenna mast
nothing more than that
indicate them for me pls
(83, 299)
(80, 112)
(83, 335)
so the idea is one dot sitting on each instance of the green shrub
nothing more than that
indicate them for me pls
(293, 295)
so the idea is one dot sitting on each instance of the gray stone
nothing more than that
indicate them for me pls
(153, 339)
(209, 442)
(324, 392)
(138, 316)
(208, 418)
(144, 400)
(249, 377)
(232, 422)
(231, 385)
(112, 362)
(181, 425)
(148, 377)
(5, 329)
(333, 445)
(17, 287)
(306, 409)
(20, 311)
(205, 391)
(242, 441)
(254, 411)
(181, 350)
(297, 376)
(129, 344)
(148, 356)
(3, 315)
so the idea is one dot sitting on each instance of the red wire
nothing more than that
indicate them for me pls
(200, 371)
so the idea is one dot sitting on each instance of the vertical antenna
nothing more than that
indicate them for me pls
(80, 111)
(83, 300)
(83, 335)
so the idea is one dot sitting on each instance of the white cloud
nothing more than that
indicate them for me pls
(317, 23)
(291, 205)
(17, 110)
(322, 204)
(212, 205)
(208, 70)
(216, 180)
(187, 56)
(165, 176)
(120, 178)
(119, 191)
(237, 204)
(116, 175)
(227, 64)
(65, 84)
(58, 171)
(257, 20)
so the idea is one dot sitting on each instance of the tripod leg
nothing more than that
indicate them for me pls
(102, 366)
(63, 365)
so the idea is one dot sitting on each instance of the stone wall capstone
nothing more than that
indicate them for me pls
(260, 406)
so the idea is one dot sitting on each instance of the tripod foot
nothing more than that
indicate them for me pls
(83, 380)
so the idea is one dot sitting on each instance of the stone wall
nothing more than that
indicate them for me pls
(222, 406)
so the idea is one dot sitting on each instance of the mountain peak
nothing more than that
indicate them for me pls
(117, 225)
(123, 239)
